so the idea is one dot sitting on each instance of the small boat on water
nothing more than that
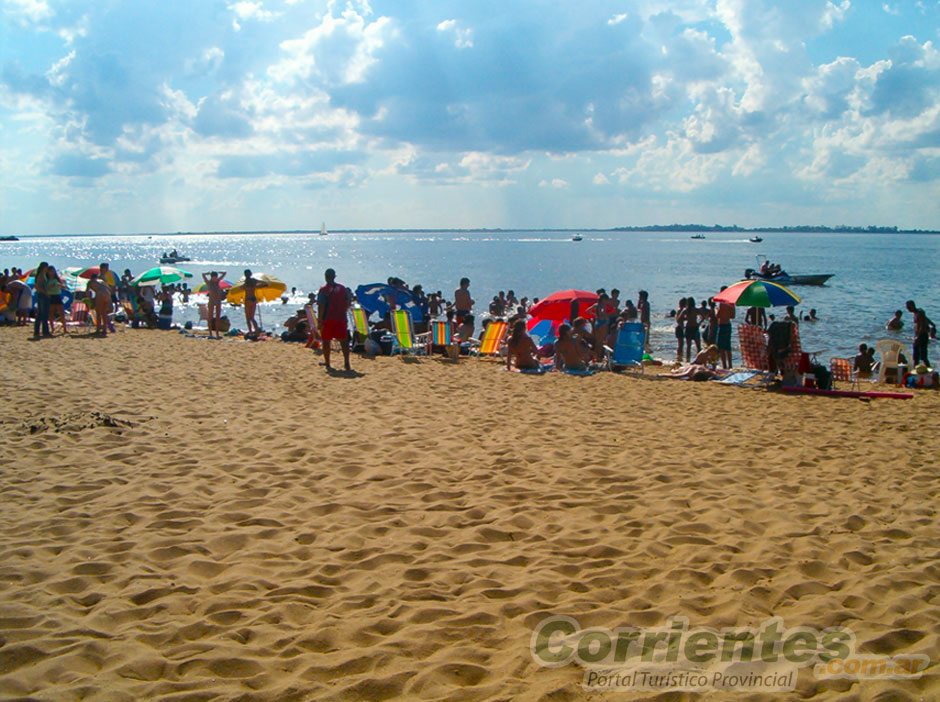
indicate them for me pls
(173, 257)
(323, 229)
(9, 238)
(697, 236)
(784, 278)
(756, 239)
(577, 237)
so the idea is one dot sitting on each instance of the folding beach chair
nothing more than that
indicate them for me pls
(359, 323)
(628, 349)
(841, 369)
(203, 311)
(442, 334)
(79, 316)
(313, 335)
(788, 364)
(492, 340)
(403, 333)
(753, 347)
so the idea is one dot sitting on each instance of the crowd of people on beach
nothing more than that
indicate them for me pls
(703, 331)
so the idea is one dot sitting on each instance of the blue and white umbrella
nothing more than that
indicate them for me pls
(373, 297)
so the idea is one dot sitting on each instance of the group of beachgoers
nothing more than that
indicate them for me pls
(580, 341)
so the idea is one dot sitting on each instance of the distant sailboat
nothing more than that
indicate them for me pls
(323, 229)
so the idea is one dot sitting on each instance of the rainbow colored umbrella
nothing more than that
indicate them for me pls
(202, 288)
(757, 293)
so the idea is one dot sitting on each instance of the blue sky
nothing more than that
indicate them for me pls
(198, 115)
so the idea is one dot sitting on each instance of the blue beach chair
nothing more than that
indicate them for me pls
(628, 349)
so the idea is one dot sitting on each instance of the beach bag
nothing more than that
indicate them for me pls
(823, 377)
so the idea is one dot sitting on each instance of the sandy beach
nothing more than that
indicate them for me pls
(186, 519)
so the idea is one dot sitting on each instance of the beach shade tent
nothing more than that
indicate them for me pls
(757, 293)
(372, 298)
(557, 306)
(203, 289)
(272, 290)
(161, 275)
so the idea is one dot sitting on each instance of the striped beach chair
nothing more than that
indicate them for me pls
(403, 333)
(492, 340)
(80, 315)
(359, 323)
(442, 334)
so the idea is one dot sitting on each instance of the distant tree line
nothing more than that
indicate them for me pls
(808, 228)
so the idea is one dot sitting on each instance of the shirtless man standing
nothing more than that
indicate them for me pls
(725, 314)
(462, 300)
(922, 327)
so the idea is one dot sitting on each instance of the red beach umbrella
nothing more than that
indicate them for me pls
(557, 306)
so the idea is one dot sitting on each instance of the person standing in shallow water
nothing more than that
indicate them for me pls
(922, 329)
(333, 301)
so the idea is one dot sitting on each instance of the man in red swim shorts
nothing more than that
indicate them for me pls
(333, 301)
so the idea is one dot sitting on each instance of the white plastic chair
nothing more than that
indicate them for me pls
(888, 352)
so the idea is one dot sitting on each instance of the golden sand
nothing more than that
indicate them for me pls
(185, 519)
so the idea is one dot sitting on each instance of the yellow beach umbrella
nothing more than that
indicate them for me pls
(271, 290)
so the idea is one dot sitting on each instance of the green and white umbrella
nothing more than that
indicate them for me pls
(161, 275)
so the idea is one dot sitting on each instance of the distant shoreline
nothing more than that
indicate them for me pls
(655, 228)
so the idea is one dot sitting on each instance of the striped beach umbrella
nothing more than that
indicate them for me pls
(757, 293)
(202, 288)
(161, 275)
